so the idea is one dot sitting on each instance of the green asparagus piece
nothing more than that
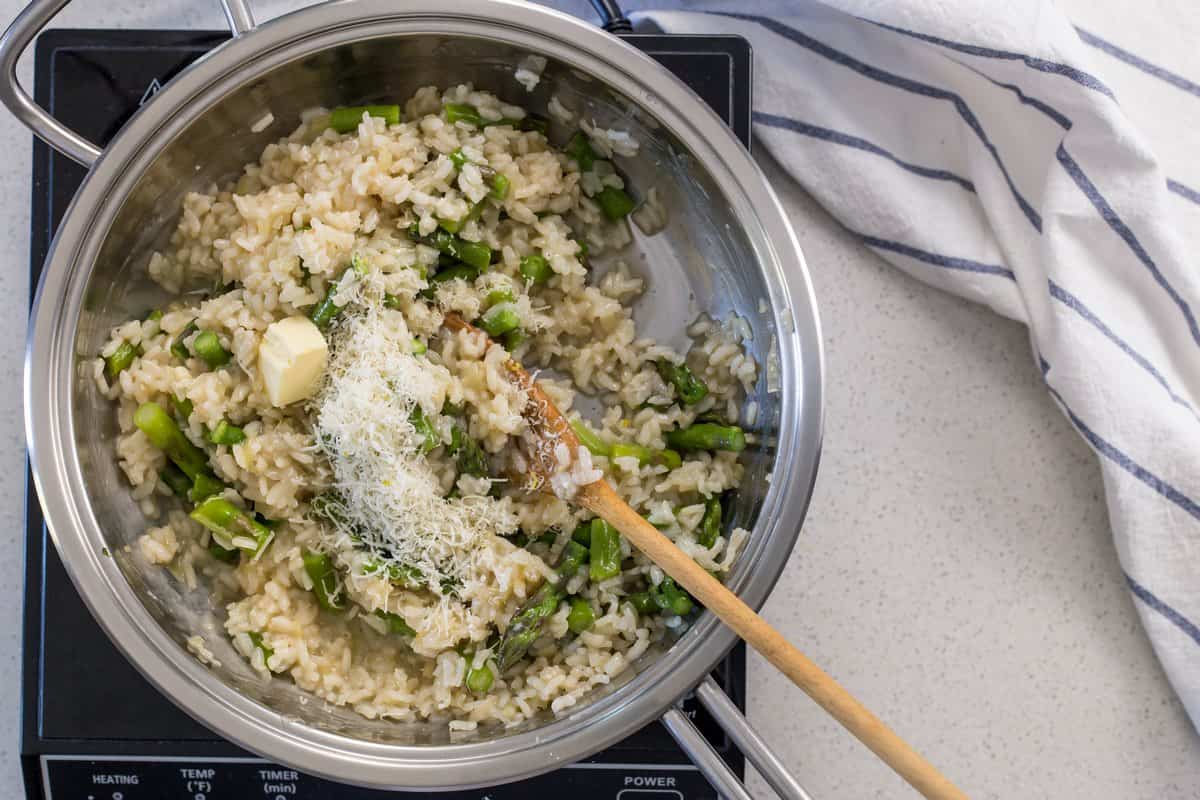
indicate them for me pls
(589, 438)
(583, 534)
(615, 203)
(462, 112)
(324, 312)
(395, 623)
(691, 390)
(154, 315)
(229, 556)
(208, 347)
(707, 436)
(256, 639)
(497, 296)
(514, 339)
(231, 527)
(536, 269)
(574, 555)
(479, 680)
(500, 319)
(120, 360)
(183, 407)
(669, 597)
(710, 523)
(580, 149)
(643, 603)
(176, 481)
(347, 118)
(458, 272)
(391, 301)
(605, 548)
(456, 225)
(581, 616)
(204, 486)
(500, 185)
(669, 459)
(477, 254)
(419, 348)
(424, 429)
(321, 571)
(458, 158)
(628, 449)
(526, 625)
(225, 433)
(178, 347)
(164, 433)
(469, 455)
(406, 575)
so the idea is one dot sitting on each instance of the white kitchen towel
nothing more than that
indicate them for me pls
(976, 146)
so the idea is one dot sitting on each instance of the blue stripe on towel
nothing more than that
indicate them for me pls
(1185, 192)
(1145, 66)
(949, 262)
(1056, 292)
(1178, 620)
(1033, 62)
(837, 137)
(1115, 455)
(1075, 304)
(1110, 216)
(906, 84)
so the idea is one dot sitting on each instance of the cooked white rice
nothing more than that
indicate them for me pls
(281, 235)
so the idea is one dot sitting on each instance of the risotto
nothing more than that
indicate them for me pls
(312, 445)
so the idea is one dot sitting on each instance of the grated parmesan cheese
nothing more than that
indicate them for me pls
(390, 499)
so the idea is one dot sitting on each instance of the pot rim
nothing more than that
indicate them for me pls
(50, 377)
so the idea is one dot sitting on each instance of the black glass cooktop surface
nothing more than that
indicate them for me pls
(93, 728)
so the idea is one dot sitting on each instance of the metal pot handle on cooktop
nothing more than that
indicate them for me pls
(745, 738)
(16, 39)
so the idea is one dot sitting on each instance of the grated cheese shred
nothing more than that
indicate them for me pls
(390, 500)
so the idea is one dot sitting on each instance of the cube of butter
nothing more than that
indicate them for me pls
(292, 359)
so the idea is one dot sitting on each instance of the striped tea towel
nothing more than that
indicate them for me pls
(975, 147)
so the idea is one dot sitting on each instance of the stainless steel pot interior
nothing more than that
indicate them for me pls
(728, 250)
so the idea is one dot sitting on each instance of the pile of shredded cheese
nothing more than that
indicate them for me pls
(390, 496)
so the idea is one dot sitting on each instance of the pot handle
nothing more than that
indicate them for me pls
(746, 739)
(28, 24)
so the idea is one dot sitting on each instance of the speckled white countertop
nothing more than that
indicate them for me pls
(956, 570)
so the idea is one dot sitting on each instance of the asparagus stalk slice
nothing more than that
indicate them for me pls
(581, 616)
(231, 527)
(615, 203)
(710, 524)
(325, 583)
(120, 360)
(536, 269)
(589, 438)
(526, 625)
(479, 679)
(164, 433)
(395, 623)
(347, 118)
(669, 597)
(691, 390)
(226, 433)
(707, 436)
(605, 549)
(207, 346)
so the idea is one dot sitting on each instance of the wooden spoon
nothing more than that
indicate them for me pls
(551, 429)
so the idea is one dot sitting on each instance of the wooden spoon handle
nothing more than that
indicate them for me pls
(601, 499)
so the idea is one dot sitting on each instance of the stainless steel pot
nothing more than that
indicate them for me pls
(728, 244)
